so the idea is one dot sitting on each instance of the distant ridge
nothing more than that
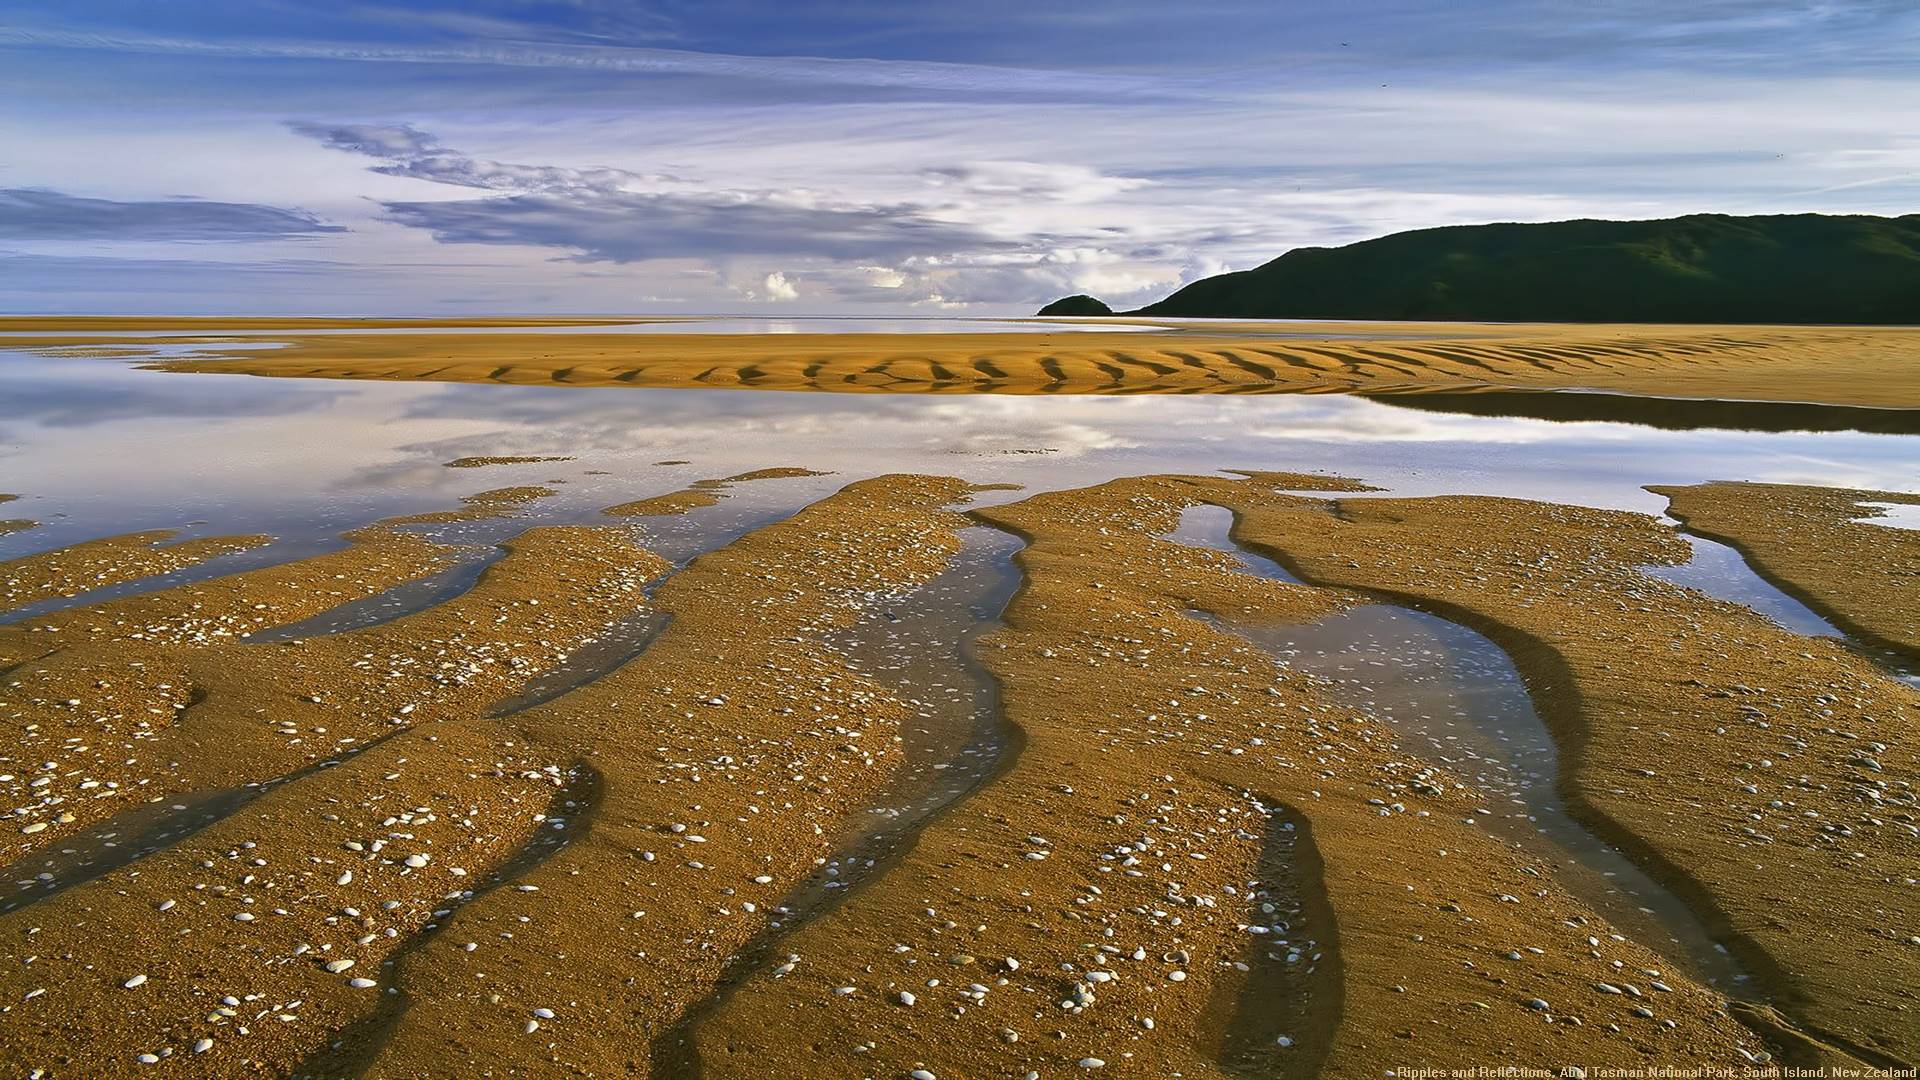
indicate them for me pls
(1702, 268)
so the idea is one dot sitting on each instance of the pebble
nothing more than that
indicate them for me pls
(338, 966)
(1092, 1063)
(907, 998)
(360, 984)
(137, 980)
(202, 1046)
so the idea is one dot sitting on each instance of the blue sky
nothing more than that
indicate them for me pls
(885, 157)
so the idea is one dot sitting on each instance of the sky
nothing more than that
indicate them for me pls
(785, 157)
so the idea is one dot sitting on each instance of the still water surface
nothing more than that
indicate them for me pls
(96, 446)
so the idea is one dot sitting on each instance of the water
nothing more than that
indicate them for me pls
(1892, 515)
(1723, 573)
(96, 446)
(1209, 526)
(1668, 413)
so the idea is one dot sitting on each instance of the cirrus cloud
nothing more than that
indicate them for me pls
(607, 215)
(44, 214)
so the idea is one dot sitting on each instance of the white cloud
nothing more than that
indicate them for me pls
(971, 203)
(775, 286)
(809, 70)
(1035, 180)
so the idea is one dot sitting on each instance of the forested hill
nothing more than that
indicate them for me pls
(1703, 268)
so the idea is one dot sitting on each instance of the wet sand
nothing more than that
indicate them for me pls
(1112, 897)
(481, 461)
(1189, 856)
(1820, 546)
(700, 493)
(109, 561)
(1761, 774)
(9, 525)
(1857, 366)
(726, 750)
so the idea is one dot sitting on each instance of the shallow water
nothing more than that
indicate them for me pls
(1892, 515)
(96, 446)
(1723, 573)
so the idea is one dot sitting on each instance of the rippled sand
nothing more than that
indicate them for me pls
(1861, 366)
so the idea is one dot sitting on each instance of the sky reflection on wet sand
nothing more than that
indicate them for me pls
(97, 446)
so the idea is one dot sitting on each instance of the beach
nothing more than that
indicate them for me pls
(583, 760)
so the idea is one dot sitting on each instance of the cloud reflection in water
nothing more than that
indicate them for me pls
(286, 455)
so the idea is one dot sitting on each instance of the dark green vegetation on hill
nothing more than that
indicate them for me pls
(1708, 268)
(1077, 304)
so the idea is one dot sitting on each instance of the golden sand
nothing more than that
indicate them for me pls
(1119, 863)
(1865, 366)
(738, 726)
(1761, 774)
(135, 715)
(551, 891)
(112, 560)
